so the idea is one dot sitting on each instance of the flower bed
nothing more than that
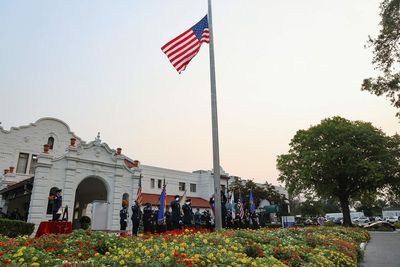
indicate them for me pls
(311, 246)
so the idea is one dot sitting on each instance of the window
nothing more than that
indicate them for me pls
(33, 164)
(159, 183)
(50, 142)
(22, 162)
(152, 183)
(181, 186)
(192, 187)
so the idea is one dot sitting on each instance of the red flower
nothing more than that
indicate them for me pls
(6, 261)
(183, 255)
(176, 255)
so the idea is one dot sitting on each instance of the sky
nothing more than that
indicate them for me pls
(281, 66)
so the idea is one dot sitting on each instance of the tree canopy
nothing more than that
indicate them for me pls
(267, 191)
(340, 159)
(387, 55)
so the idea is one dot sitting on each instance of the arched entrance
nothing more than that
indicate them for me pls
(90, 191)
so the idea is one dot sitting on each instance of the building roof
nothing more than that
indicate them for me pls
(17, 185)
(154, 199)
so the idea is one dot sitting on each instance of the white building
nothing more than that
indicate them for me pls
(46, 155)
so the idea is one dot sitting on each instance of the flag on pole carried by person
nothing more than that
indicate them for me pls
(252, 207)
(233, 205)
(139, 191)
(240, 206)
(185, 46)
(163, 198)
(183, 199)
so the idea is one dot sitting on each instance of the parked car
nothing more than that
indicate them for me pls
(361, 220)
(391, 219)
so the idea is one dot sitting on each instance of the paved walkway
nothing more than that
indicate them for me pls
(383, 250)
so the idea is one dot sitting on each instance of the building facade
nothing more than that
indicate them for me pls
(46, 155)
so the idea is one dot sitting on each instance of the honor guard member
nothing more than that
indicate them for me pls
(176, 213)
(136, 217)
(147, 218)
(187, 213)
(123, 218)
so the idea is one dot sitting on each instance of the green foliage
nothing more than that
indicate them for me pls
(85, 222)
(387, 54)
(14, 228)
(259, 192)
(340, 159)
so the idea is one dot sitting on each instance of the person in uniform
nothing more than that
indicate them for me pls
(123, 218)
(187, 213)
(136, 217)
(147, 218)
(197, 218)
(176, 213)
(168, 220)
(57, 204)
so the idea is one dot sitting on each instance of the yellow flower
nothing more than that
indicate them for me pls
(65, 250)
(205, 241)
(34, 258)
(35, 264)
(244, 260)
(254, 263)
(115, 258)
(138, 261)
(21, 260)
(107, 253)
(227, 241)
(122, 262)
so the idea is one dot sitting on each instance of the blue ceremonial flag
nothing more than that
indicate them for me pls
(160, 216)
(251, 203)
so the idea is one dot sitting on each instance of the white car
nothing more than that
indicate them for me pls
(392, 219)
(361, 220)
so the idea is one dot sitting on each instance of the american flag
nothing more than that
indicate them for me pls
(240, 206)
(183, 48)
(139, 191)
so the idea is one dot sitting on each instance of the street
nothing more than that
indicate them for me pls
(382, 250)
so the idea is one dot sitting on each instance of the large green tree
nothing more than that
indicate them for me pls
(340, 159)
(266, 191)
(387, 55)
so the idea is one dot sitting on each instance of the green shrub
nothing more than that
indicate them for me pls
(329, 223)
(273, 225)
(13, 228)
(397, 225)
(85, 222)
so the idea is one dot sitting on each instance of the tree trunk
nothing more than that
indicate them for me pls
(344, 203)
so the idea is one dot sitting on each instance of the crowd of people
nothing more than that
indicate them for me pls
(179, 216)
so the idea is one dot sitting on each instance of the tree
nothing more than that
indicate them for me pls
(387, 55)
(311, 208)
(340, 159)
(267, 191)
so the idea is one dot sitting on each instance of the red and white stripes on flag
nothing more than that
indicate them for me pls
(183, 48)
(240, 206)
(139, 192)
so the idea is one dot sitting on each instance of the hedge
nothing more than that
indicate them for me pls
(13, 228)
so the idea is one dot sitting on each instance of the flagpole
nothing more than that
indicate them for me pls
(214, 116)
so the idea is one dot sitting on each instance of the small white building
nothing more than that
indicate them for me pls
(46, 155)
